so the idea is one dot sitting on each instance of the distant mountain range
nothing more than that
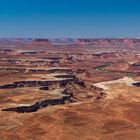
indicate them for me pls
(69, 41)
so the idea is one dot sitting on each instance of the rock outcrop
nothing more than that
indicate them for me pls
(40, 104)
(136, 84)
(108, 42)
(37, 83)
(40, 42)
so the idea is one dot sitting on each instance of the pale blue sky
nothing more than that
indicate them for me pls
(69, 18)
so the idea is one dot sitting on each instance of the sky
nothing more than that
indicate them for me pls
(69, 18)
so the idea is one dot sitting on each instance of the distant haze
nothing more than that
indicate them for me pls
(70, 18)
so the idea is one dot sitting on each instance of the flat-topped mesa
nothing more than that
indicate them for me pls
(100, 56)
(40, 42)
(103, 41)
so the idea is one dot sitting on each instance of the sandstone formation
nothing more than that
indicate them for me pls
(74, 89)
(40, 42)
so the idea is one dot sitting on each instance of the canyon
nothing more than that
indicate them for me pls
(80, 89)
